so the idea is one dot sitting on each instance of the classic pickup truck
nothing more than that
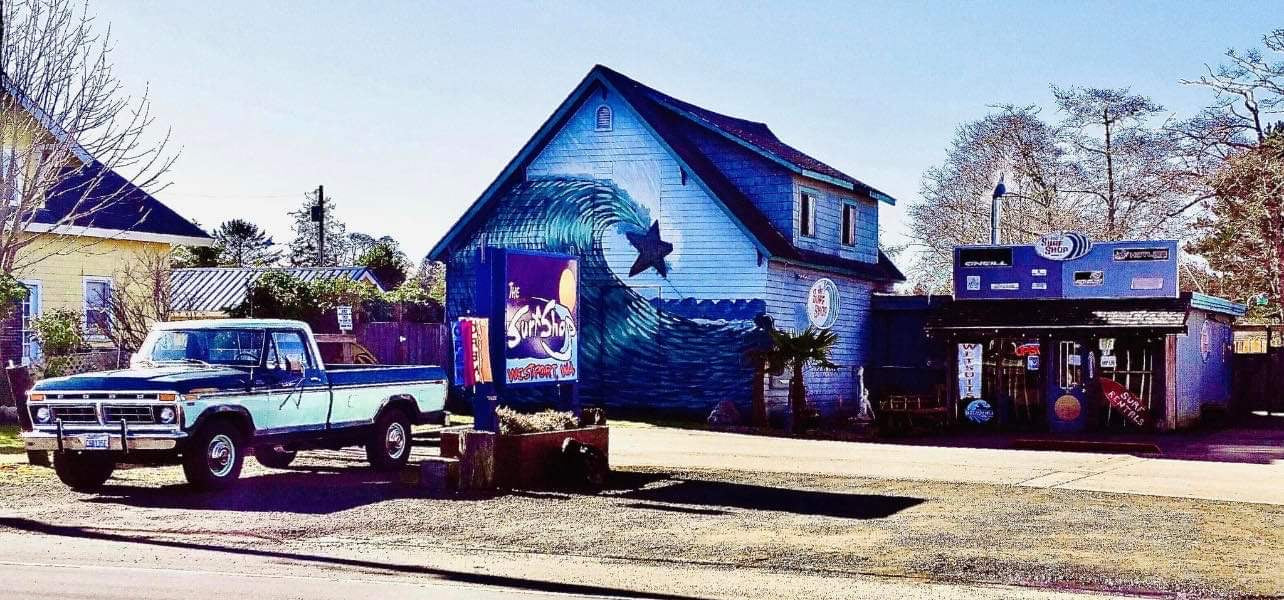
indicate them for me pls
(205, 394)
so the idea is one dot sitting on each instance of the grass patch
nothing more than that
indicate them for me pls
(10, 440)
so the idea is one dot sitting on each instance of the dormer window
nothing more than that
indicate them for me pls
(850, 219)
(605, 120)
(807, 214)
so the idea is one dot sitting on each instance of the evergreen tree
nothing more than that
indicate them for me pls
(241, 243)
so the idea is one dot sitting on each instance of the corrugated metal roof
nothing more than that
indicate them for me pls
(214, 289)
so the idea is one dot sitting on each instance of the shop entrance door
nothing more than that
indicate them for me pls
(1066, 368)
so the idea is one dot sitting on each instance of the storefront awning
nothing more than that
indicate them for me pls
(1149, 313)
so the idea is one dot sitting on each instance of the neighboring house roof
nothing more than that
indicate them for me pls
(214, 289)
(673, 121)
(109, 205)
(97, 201)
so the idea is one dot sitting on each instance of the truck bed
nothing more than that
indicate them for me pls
(340, 375)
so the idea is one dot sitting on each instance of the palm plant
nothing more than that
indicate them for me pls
(796, 351)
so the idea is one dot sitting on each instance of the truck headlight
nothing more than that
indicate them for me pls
(166, 415)
(44, 415)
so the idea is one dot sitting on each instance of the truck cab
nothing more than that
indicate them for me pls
(204, 394)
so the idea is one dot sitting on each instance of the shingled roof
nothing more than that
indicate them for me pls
(673, 121)
(1130, 313)
(95, 197)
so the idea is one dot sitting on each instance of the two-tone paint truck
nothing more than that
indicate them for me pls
(204, 394)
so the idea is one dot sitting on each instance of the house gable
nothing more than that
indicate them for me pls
(712, 257)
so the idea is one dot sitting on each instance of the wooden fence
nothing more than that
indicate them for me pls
(1259, 382)
(406, 343)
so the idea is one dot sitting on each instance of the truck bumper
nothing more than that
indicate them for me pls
(91, 441)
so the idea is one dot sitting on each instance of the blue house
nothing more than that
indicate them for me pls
(691, 227)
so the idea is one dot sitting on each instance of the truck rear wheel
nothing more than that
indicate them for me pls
(388, 447)
(83, 471)
(274, 457)
(214, 456)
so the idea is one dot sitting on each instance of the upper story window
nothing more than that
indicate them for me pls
(807, 214)
(605, 119)
(851, 217)
(97, 307)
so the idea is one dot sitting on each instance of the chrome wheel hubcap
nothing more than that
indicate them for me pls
(221, 455)
(395, 440)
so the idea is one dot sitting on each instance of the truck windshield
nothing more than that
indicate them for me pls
(239, 347)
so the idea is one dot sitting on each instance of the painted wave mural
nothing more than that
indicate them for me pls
(632, 353)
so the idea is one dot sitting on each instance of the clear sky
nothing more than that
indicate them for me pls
(407, 111)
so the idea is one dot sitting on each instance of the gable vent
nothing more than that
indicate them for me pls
(604, 118)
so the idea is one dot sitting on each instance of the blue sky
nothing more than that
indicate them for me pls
(406, 111)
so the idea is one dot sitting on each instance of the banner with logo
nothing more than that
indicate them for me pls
(969, 371)
(541, 324)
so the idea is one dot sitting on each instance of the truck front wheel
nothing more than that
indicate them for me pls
(388, 447)
(83, 471)
(214, 456)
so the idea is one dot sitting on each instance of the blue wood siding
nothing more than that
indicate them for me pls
(787, 289)
(1203, 380)
(829, 221)
(712, 257)
(767, 184)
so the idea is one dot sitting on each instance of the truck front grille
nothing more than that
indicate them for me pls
(131, 413)
(78, 413)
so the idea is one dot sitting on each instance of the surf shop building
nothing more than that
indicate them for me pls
(1069, 335)
(693, 233)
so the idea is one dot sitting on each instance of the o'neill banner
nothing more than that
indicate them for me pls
(541, 324)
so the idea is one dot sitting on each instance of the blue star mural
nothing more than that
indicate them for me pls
(651, 251)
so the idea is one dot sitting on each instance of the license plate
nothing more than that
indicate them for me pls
(96, 441)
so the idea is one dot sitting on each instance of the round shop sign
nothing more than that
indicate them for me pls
(1062, 245)
(979, 412)
(822, 304)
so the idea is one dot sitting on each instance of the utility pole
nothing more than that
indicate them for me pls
(318, 217)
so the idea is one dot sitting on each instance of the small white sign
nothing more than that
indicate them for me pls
(1074, 360)
(1109, 361)
(1038, 285)
(1038, 272)
(1147, 283)
(345, 317)
(1005, 286)
(973, 283)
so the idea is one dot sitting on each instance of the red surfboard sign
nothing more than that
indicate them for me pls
(1124, 402)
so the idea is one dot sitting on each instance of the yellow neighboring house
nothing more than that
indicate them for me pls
(92, 224)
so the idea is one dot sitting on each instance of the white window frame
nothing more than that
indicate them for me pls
(84, 305)
(810, 208)
(847, 237)
(37, 306)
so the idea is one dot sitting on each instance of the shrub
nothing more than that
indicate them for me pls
(512, 422)
(59, 331)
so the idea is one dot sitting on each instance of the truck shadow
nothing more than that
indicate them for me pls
(302, 492)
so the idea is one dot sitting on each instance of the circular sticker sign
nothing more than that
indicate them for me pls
(1067, 408)
(979, 412)
(822, 304)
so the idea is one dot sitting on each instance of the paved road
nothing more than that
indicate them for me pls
(55, 567)
(1120, 473)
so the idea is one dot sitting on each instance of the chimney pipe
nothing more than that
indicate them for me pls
(996, 212)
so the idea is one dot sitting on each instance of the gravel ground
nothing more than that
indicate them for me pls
(788, 523)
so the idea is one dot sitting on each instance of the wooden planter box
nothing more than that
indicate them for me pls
(530, 460)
